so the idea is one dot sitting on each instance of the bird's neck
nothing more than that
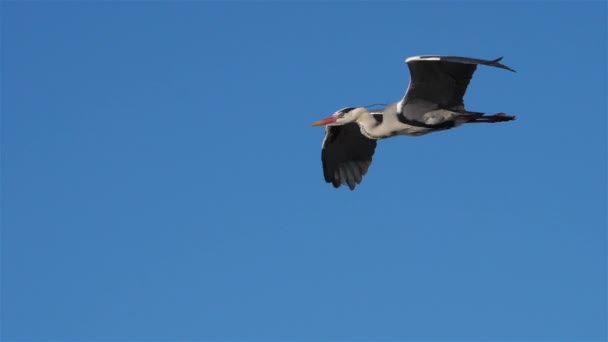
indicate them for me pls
(372, 128)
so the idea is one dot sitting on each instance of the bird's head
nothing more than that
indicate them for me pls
(342, 117)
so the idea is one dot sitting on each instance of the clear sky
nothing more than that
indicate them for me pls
(161, 180)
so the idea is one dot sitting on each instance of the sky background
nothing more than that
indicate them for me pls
(161, 180)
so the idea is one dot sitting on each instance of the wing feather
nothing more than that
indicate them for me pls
(346, 155)
(442, 81)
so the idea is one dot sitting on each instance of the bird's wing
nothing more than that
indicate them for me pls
(346, 155)
(442, 80)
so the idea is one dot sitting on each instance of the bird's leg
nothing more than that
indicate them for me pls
(474, 118)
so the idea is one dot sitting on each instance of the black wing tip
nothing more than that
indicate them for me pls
(338, 181)
(350, 187)
(336, 184)
(497, 63)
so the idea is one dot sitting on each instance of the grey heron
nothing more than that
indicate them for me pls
(432, 102)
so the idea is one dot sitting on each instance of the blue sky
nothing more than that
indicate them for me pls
(161, 180)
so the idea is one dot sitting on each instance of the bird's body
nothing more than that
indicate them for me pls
(387, 123)
(433, 102)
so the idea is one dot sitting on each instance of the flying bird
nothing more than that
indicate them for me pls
(432, 102)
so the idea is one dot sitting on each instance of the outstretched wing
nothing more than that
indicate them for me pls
(442, 80)
(346, 155)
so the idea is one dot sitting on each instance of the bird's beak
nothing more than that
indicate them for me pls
(325, 121)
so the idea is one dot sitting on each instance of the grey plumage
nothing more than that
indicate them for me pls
(439, 83)
(434, 101)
